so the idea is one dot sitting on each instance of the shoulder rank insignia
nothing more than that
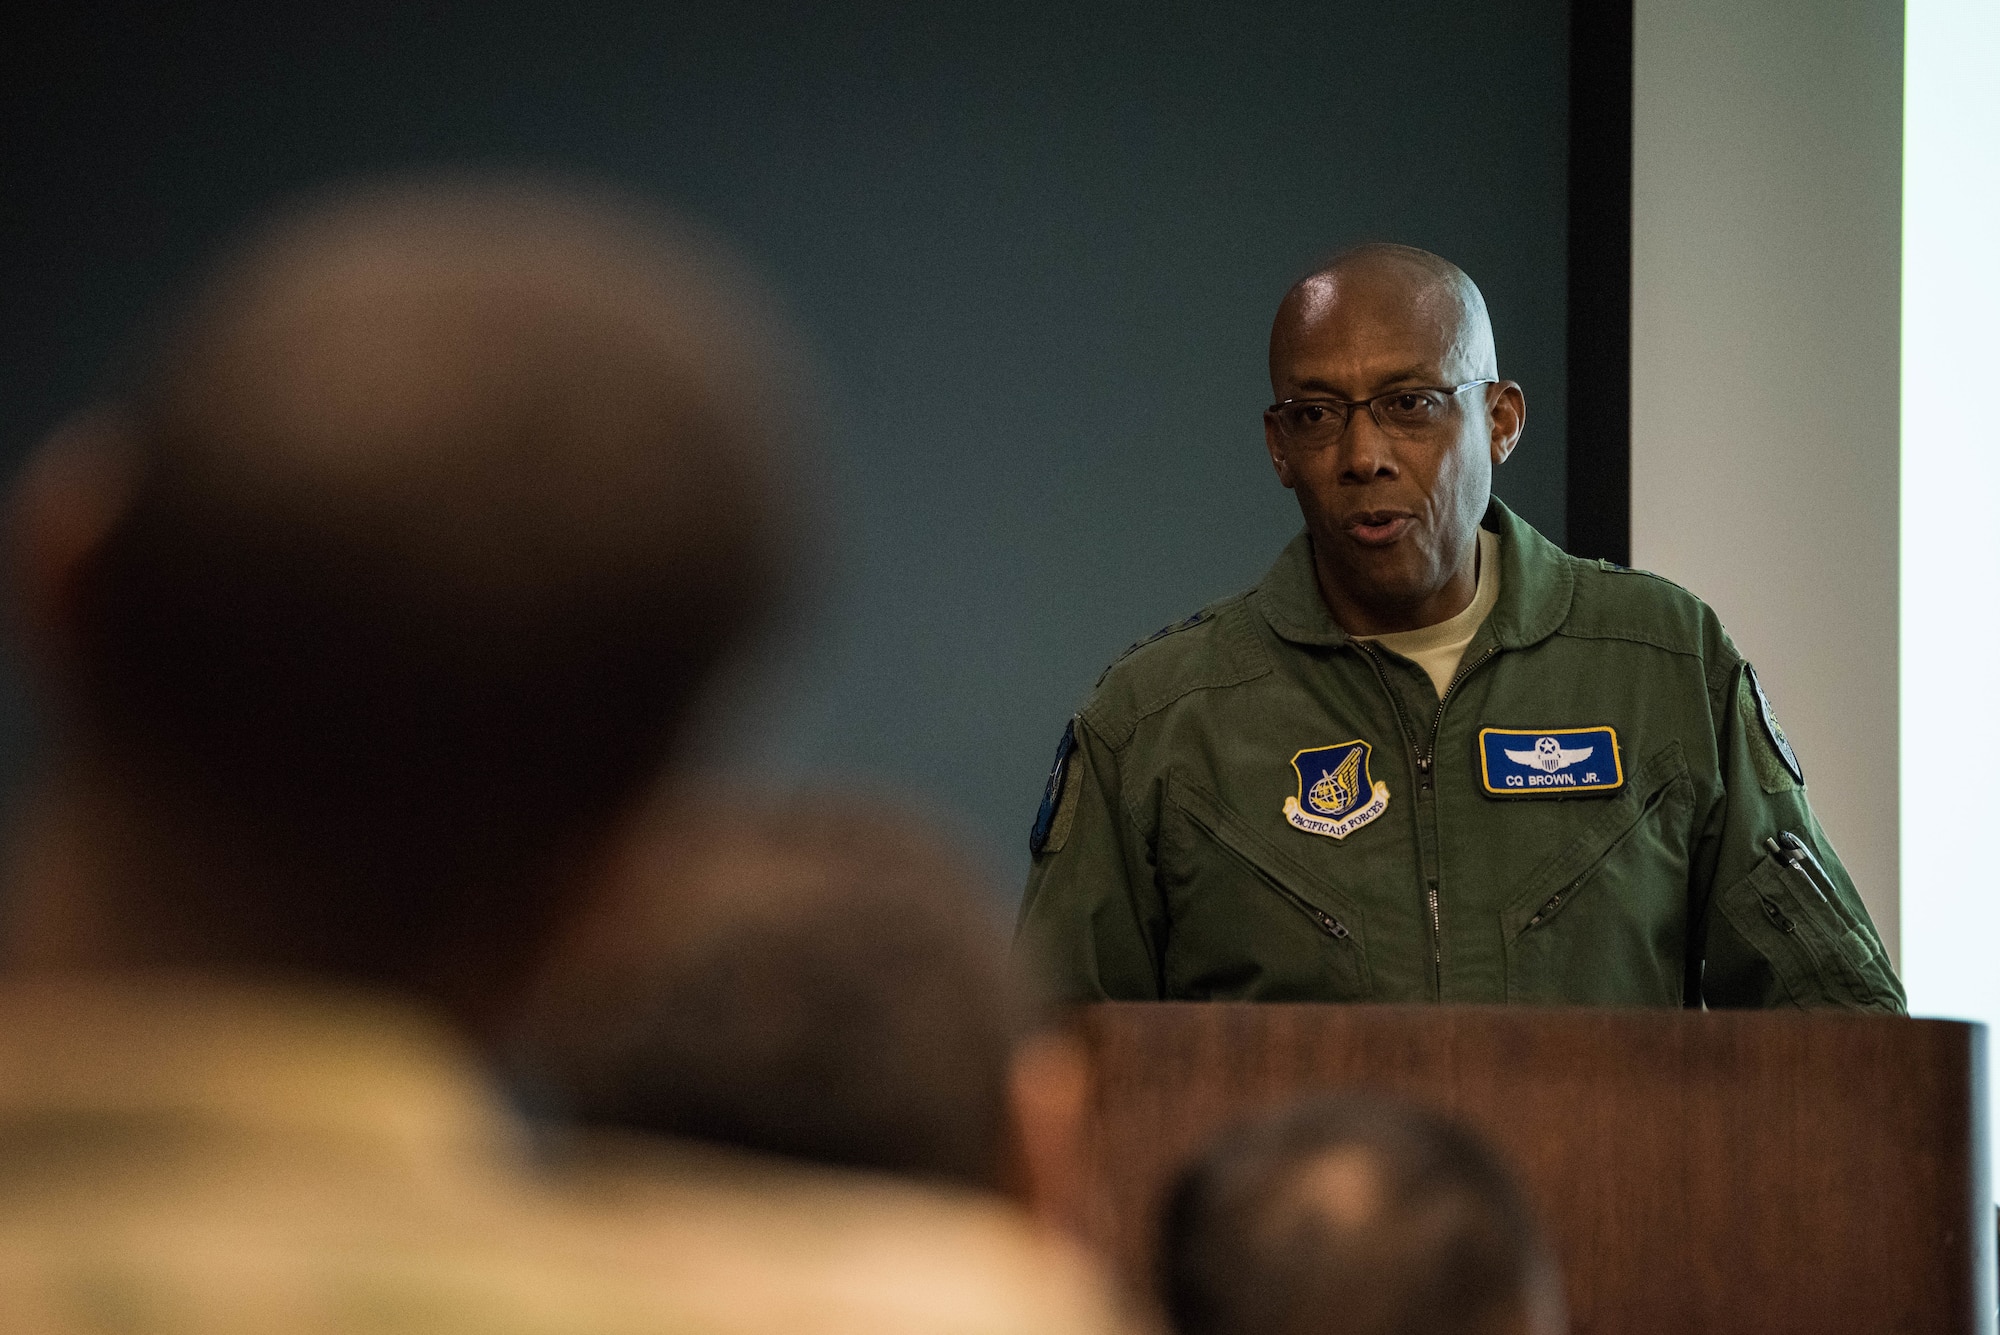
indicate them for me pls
(1771, 728)
(1519, 762)
(1193, 619)
(1337, 795)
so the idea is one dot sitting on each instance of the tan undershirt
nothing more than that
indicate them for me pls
(1438, 649)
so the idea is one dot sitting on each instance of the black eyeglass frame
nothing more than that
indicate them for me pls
(1449, 391)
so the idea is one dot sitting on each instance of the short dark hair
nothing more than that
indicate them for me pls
(1352, 1214)
(441, 516)
(817, 976)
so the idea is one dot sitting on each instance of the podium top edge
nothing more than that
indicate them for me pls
(1557, 1016)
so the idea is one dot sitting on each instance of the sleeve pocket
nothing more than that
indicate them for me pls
(1816, 957)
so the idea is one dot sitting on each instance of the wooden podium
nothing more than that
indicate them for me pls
(1720, 1172)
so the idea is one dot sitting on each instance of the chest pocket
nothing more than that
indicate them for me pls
(1604, 920)
(1245, 921)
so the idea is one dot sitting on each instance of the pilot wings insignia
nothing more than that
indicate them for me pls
(1336, 792)
(1550, 755)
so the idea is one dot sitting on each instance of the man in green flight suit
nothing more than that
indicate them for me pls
(1430, 756)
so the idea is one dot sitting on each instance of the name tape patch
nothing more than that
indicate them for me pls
(1516, 762)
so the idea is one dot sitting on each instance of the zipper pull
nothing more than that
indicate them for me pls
(1555, 902)
(1423, 764)
(1331, 925)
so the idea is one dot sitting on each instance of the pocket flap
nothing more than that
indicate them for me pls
(1240, 838)
(1610, 822)
(1818, 958)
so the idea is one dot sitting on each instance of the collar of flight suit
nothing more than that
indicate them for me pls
(1536, 586)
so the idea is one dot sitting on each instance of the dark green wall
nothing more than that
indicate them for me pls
(1035, 246)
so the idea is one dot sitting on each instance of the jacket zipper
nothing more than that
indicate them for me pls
(1555, 901)
(1423, 765)
(1422, 759)
(1325, 921)
(1437, 721)
(1321, 919)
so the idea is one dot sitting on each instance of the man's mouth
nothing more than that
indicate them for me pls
(1379, 528)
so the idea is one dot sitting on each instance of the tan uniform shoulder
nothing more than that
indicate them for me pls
(769, 1245)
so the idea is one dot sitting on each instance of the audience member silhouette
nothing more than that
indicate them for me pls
(365, 615)
(822, 978)
(812, 976)
(1354, 1217)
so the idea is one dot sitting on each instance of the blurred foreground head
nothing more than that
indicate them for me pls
(820, 977)
(386, 587)
(1355, 1217)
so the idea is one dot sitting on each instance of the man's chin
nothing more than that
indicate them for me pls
(1385, 579)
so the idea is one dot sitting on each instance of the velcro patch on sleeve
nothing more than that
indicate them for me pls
(1777, 765)
(1053, 820)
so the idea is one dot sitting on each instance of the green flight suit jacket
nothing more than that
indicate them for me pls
(1690, 870)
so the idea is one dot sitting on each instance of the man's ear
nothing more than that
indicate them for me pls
(1275, 443)
(64, 504)
(1507, 413)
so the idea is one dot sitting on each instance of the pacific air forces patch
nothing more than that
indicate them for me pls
(1337, 795)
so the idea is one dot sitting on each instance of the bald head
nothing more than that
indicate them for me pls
(435, 507)
(1428, 294)
(1393, 494)
(1358, 1216)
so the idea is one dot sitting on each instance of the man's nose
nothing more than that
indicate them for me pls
(1366, 452)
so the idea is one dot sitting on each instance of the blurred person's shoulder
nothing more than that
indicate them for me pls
(765, 1243)
(208, 1158)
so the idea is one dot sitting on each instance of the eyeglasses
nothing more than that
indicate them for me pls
(1403, 413)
